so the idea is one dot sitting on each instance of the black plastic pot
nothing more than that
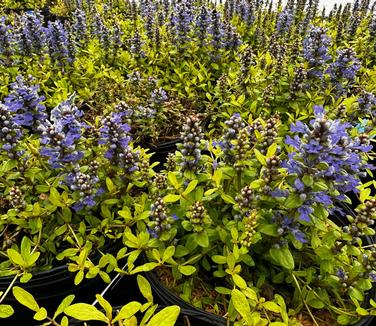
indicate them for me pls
(183, 320)
(161, 152)
(50, 287)
(199, 317)
(196, 316)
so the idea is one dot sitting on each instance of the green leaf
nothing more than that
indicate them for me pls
(308, 180)
(25, 298)
(191, 186)
(166, 317)
(41, 314)
(241, 305)
(219, 259)
(145, 288)
(269, 229)
(355, 293)
(54, 197)
(171, 198)
(202, 239)
(272, 306)
(239, 281)
(293, 201)
(172, 178)
(228, 199)
(261, 158)
(313, 301)
(271, 150)
(84, 311)
(168, 253)
(283, 257)
(16, 258)
(65, 303)
(127, 311)
(6, 311)
(186, 269)
(105, 305)
(110, 185)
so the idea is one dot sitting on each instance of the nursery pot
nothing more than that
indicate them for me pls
(49, 288)
(161, 152)
(183, 319)
(199, 317)
(196, 316)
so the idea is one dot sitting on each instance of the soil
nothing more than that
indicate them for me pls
(322, 317)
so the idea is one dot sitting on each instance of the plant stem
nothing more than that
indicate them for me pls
(305, 303)
(9, 288)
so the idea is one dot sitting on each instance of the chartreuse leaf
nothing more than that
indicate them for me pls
(261, 158)
(105, 305)
(41, 314)
(241, 305)
(202, 239)
(84, 311)
(191, 186)
(128, 311)
(166, 317)
(25, 298)
(65, 303)
(145, 288)
(15, 257)
(6, 311)
(170, 198)
(186, 269)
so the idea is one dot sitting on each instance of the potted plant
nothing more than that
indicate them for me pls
(149, 314)
(253, 230)
(61, 183)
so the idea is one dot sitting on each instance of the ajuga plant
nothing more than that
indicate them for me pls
(61, 181)
(69, 313)
(264, 238)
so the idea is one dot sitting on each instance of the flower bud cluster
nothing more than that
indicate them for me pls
(365, 217)
(16, 197)
(85, 185)
(160, 181)
(315, 50)
(170, 164)
(250, 224)
(115, 135)
(244, 199)
(233, 127)
(297, 83)
(10, 132)
(269, 133)
(191, 146)
(366, 102)
(159, 220)
(241, 149)
(197, 215)
(270, 172)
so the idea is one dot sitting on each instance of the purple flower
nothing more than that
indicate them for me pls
(26, 103)
(315, 50)
(342, 72)
(58, 43)
(284, 21)
(85, 185)
(61, 134)
(325, 152)
(115, 136)
(287, 225)
(31, 36)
